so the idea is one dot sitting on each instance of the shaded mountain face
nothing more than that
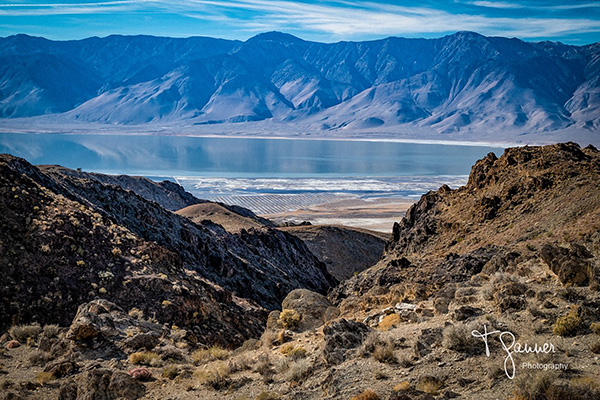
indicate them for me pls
(67, 239)
(531, 206)
(459, 82)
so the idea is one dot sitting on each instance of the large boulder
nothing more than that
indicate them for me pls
(340, 336)
(572, 265)
(314, 309)
(102, 384)
(103, 321)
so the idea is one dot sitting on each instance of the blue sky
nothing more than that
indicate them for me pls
(574, 22)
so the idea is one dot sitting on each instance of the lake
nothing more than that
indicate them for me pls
(227, 168)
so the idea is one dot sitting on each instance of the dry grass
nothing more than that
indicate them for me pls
(429, 384)
(292, 351)
(45, 377)
(148, 358)
(388, 322)
(402, 386)
(569, 324)
(458, 337)
(289, 319)
(385, 353)
(533, 385)
(595, 327)
(268, 396)
(203, 356)
(215, 375)
(299, 371)
(170, 372)
(24, 332)
(51, 331)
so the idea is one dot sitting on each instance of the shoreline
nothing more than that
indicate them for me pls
(384, 139)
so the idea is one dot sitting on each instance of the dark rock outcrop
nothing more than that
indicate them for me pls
(66, 240)
(340, 336)
(572, 265)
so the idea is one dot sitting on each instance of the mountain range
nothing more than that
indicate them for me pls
(463, 82)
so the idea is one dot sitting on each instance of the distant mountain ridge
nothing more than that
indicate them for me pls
(459, 82)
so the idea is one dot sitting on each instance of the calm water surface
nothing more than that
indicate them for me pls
(159, 156)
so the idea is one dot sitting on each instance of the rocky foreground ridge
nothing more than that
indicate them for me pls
(515, 250)
(68, 238)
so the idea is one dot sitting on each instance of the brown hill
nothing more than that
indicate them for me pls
(218, 214)
(531, 205)
(344, 250)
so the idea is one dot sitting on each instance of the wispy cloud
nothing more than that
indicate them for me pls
(344, 19)
(496, 4)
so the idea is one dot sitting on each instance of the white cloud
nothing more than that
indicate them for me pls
(496, 4)
(336, 20)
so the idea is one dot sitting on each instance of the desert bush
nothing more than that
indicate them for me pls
(405, 362)
(39, 358)
(458, 337)
(241, 362)
(366, 395)
(269, 338)
(148, 358)
(384, 353)
(294, 352)
(502, 280)
(51, 331)
(595, 327)
(170, 372)
(268, 396)
(215, 375)
(388, 322)
(24, 332)
(533, 385)
(370, 342)
(569, 324)
(429, 384)
(299, 371)
(289, 319)
(402, 386)
(202, 356)
(595, 348)
(264, 368)
(45, 377)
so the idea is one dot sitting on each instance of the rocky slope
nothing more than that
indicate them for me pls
(532, 203)
(82, 237)
(344, 250)
(457, 83)
(166, 193)
(514, 251)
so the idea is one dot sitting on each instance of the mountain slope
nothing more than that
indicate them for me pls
(459, 83)
(84, 235)
(531, 206)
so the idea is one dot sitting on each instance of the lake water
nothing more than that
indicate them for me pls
(226, 168)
